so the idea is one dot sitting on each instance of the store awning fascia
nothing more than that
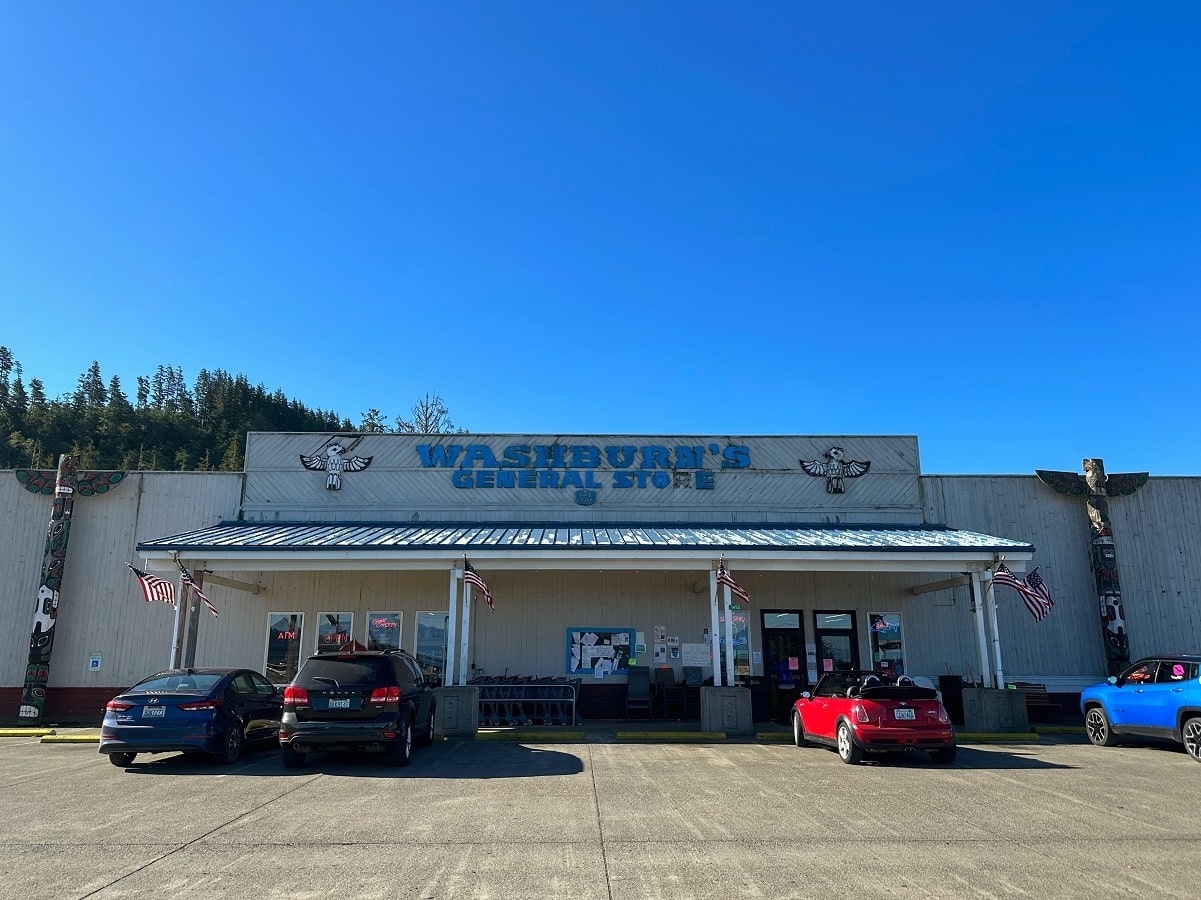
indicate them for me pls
(281, 546)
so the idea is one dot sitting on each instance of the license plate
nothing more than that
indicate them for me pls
(344, 703)
(153, 712)
(903, 714)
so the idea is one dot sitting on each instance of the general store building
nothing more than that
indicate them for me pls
(600, 551)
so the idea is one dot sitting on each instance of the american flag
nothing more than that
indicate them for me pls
(472, 577)
(724, 577)
(153, 587)
(189, 581)
(1032, 588)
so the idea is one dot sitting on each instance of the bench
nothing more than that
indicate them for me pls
(1037, 700)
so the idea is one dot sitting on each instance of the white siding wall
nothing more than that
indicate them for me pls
(1158, 539)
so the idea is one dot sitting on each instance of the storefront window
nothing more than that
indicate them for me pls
(430, 644)
(383, 630)
(283, 646)
(333, 630)
(888, 652)
(742, 647)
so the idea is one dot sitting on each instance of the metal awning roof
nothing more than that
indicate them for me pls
(383, 545)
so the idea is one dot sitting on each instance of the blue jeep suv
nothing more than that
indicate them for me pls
(1157, 697)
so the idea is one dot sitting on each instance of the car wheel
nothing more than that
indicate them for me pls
(848, 751)
(231, 745)
(798, 730)
(1192, 738)
(402, 749)
(1097, 727)
(121, 760)
(292, 759)
(943, 755)
(427, 733)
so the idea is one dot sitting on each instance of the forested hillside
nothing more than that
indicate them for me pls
(166, 425)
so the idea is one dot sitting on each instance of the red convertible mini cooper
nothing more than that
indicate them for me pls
(862, 712)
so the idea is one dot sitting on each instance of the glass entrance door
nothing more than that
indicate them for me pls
(837, 643)
(783, 659)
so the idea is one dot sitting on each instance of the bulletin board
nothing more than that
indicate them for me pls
(607, 647)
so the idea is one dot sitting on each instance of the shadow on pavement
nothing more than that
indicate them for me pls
(448, 759)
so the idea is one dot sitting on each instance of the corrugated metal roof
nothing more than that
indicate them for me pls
(250, 537)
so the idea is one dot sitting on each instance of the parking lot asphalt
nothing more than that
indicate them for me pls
(603, 820)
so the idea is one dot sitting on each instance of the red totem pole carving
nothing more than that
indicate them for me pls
(64, 484)
(1096, 487)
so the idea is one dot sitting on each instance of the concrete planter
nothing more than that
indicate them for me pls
(990, 710)
(726, 709)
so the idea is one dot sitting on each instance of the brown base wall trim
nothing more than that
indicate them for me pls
(64, 705)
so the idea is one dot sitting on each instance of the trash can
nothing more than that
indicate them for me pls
(951, 687)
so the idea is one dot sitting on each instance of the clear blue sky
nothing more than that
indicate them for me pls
(979, 223)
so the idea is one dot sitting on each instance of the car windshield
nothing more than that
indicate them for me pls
(177, 682)
(324, 672)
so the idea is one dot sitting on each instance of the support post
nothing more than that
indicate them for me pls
(449, 672)
(990, 602)
(193, 624)
(714, 628)
(463, 633)
(177, 628)
(729, 636)
(978, 602)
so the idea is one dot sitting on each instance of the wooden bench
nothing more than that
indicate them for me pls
(1037, 700)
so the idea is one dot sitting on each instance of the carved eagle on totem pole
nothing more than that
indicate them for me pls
(333, 465)
(834, 469)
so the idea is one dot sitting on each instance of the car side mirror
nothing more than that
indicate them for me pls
(806, 695)
(1112, 679)
(433, 681)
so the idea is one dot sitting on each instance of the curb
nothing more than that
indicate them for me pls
(71, 739)
(573, 736)
(681, 736)
(1016, 737)
(25, 732)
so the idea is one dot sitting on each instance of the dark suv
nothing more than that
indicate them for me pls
(367, 701)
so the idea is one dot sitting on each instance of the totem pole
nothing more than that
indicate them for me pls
(1096, 487)
(63, 485)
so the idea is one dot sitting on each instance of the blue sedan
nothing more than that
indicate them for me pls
(1156, 697)
(215, 711)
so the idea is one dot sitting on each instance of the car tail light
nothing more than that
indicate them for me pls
(861, 713)
(295, 696)
(942, 715)
(201, 705)
(117, 706)
(385, 695)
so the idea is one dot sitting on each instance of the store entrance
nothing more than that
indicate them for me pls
(783, 658)
(837, 643)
